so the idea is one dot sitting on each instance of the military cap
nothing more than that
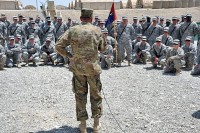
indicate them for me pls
(157, 17)
(166, 29)
(161, 18)
(86, 13)
(96, 17)
(18, 36)
(174, 18)
(30, 18)
(154, 18)
(144, 38)
(60, 18)
(19, 15)
(69, 18)
(32, 22)
(31, 37)
(11, 37)
(24, 18)
(47, 17)
(55, 16)
(188, 38)
(139, 35)
(140, 20)
(168, 20)
(48, 20)
(182, 16)
(48, 39)
(143, 18)
(3, 14)
(148, 17)
(176, 42)
(15, 17)
(189, 15)
(102, 21)
(118, 21)
(158, 39)
(135, 18)
(105, 31)
(124, 17)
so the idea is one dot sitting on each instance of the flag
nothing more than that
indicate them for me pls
(112, 16)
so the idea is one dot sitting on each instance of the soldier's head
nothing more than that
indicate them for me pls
(188, 40)
(176, 44)
(158, 41)
(168, 22)
(105, 32)
(18, 38)
(154, 20)
(166, 31)
(59, 20)
(48, 41)
(174, 20)
(30, 19)
(20, 17)
(49, 22)
(55, 17)
(124, 20)
(140, 21)
(135, 20)
(161, 20)
(15, 19)
(148, 19)
(188, 17)
(31, 39)
(3, 16)
(32, 23)
(11, 40)
(182, 18)
(102, 23)
(96, 18)
(144, 39)
(24, 19)
(86, 15)
(139, 37)
(143, 19)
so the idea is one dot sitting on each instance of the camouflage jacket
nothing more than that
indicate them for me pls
(85, 40)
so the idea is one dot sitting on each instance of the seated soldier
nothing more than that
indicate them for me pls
(190, 52)
(48, 52)
(12, 53)
(196, 69)
(2, 57)
(158, 53)
(174, 58)
(31, 51)
(138, 39)
(141, 51)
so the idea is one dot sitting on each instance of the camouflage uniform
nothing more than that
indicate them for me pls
(174, 60)
(3, 33)
(174, 31)
(141, 52)
(196, 69)
(31, 50)
(16, 29)
(48, 31)
(145, 27)
(107, 57)
(35, 31)
(2, 57)
(166, 40)
(153, 32)
(48, 52)
(84, 65)
(125, 41)
(138, 29)
(60, 29)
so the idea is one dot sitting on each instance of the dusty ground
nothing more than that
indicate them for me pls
(40, 100)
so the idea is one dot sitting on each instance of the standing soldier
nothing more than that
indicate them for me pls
(134, 42)
(24, 26)
(158, 53)
(55, 20)
(188, 28)
(174, 59)
(161, 23)
(2, 57)
(190, 52)
(174, 29)
(142, 51)
(31, 51)
(125, 34)
(146, 25)
(137, 27)
(84, 65)
(166, 39)
(4, 19)
(69, 23)
(12, 53)
(3, 33)
(154, 31)
(60, 28)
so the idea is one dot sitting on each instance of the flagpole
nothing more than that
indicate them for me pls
(115, 37)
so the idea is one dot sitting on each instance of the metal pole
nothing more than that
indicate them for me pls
(37, 5)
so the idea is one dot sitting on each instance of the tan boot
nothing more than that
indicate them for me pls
(82, 127)
(96, 126)
(129, 63)
(19, 65)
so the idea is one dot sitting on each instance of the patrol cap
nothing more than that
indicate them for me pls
(176, 42)
(48, 17)
(102, 22)
(3, 14)
(69, 18)
(32, 22)
(18, 36)
(118, 21)
(168, 20)
(55, 16)
(48, 20)
(86, 13)
(124, 17)
(158, 39)
(30, 18)
(148, 17)
(188, 38)
(140, 20)
(105, 31)
(139, 35)
(11, 38)
(143, 18)
(59, 18)
(19, 15)
(144, 38)
(154, 19)
(15, 18)
(48, 39)
(189, 15)
(166, 29)
(31, 37)
(174, 18)
(96, 17)
(161, 18)
(135, 18)
(24, 18)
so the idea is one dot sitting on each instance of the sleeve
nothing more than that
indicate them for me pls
(102, 43)
(63, 42)
(179, 55)
(37, 48)
(193, 50)
(152, 51)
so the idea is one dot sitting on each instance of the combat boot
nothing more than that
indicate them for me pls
(129, 63)
(82, 127)
(19, 65)
(119, 65)
(178, 72)
(96, 126)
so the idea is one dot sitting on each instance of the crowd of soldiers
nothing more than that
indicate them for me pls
(168, 43)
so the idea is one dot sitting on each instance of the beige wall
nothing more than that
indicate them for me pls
(100, 5)
(7, 5)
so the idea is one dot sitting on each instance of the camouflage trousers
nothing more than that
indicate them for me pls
(80, 88)
(26, 57)
(196, 70)
(106, 62)
(121, 50)
(175, 64)
(52, 57)
(12, 59)
(160, 61)
(2, 61)
(144, 56)
(189, 60)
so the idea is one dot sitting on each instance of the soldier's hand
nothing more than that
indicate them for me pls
(31, 58)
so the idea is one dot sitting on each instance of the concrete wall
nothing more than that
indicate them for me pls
(8, 5)
(100, 5)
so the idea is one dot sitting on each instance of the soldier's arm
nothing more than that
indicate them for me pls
(37, 49)
(102, 43)
(62, 43)
(193, 50)
(180, 54)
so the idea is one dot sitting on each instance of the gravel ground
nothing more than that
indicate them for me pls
(40, 100)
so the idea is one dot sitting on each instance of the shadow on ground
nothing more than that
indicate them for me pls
(65, 129)
(196, 114)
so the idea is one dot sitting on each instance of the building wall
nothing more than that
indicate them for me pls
(100, 5)
(7, 5)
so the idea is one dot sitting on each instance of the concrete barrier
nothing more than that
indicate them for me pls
(157, 4)
(197, 3)
(184, 3)
(191, 3)
(178, 4)
(172, 3)
(165, 4)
